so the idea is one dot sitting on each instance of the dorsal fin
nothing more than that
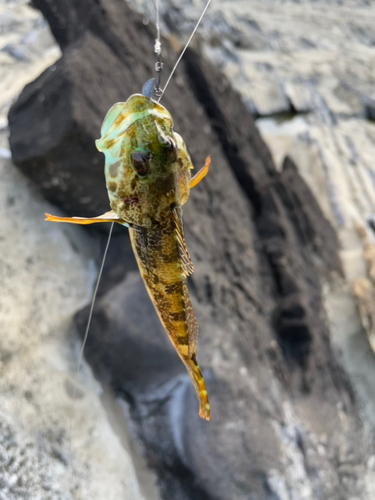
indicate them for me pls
(186, 262)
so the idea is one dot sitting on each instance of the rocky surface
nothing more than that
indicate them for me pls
(56, 442)
(305, 70)
(52, 445)
(26, 49)
(71, 98)
(364, 287)
(286, 421)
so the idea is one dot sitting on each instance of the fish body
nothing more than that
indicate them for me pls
(148, 176)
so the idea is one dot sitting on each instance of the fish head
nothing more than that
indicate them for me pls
(147, 166)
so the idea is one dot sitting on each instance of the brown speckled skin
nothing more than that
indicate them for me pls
(151, 206)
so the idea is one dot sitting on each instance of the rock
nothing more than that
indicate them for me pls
(364, 287)
(25, 32)
(305, 66)
(370, 109)
(260, 245)
(51, 445)
(248, 379)
(60, 100)
(70, 100)
(364, 291)
(266, 99)
(323, 68)
(62, 437)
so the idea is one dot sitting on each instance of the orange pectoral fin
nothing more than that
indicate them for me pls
(110, 216)
(201, 174)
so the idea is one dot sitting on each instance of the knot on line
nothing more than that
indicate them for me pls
(157, 47)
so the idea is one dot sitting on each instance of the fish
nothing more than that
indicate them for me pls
(148, 179)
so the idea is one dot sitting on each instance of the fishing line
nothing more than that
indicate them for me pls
(159, 94)
(157, 25)
(186, 46)
(89, 321)
(159, 65)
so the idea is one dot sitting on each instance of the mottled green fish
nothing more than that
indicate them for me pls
(147, 171)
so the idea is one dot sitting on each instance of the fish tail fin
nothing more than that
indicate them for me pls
(199, 385)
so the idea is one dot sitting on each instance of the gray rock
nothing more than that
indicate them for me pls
(370, 109)
(284, 416)
(52, 447)
(70, 100)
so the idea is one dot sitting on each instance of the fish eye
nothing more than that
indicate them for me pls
(141, 163)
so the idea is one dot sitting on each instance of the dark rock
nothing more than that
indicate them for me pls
(259, 243)
(255, 236)
(62, 103)
(119, 262)
(69, 101)
(132, 373)
(369, 105)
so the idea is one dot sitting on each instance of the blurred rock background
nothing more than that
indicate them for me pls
(305, 70)
(281, 234)
(50, 447)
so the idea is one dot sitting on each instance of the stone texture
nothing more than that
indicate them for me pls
(321, 55)
(286, 422)
(313, 59)
(364, 288)
(26, 49)
(70, 99)
(52, 446)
